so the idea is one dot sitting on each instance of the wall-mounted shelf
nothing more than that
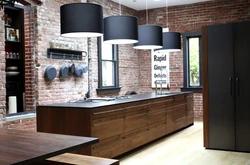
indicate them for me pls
(65, 54)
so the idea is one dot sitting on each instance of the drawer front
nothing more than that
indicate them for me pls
(180, 123)
(157, 103)
(136, 138)
(156, 130)
(107, 111)
(109, 148)
(108, 129)
(190, 112)
(161, 102)
(180, 98)
(190, 102)
(170, 120)
(180, 111)
(136, 121)
(136, 106)
(156, 115)
(190, 120)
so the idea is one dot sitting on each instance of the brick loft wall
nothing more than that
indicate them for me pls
(28, 124)
(58, 90)
(128, 59)
(29, 51)
(197, 107)
(2, 70)
(187, 18)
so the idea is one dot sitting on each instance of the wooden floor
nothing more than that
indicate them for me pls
(184, 148)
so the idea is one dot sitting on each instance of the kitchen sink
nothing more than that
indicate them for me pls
(168, 93)
(92, 100)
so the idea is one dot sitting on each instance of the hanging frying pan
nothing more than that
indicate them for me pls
(85, 68)
(71, 68)
(50, 73)
(64, 72)
(78, 71)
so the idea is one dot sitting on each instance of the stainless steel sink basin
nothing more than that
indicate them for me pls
(92, 100)
(168, 93)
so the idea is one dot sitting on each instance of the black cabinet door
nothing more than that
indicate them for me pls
(220, 87)
(242, 86)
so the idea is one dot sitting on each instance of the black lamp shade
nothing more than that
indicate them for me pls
(150, 37)
(120, 30)
(81, 20)
(171, 42)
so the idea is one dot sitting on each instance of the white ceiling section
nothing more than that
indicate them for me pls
(141, 4)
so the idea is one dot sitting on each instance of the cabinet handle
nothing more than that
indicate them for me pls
(115, 110)
(238, 86)
(231, 86)
(142, 114)
(94, 125)
(136, 106)
(179, 105)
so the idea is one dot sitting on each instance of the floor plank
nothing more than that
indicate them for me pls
(184, 148)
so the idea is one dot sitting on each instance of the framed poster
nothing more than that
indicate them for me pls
(12, 34)
(160, 69)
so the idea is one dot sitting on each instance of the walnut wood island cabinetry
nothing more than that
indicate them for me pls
(120, 125)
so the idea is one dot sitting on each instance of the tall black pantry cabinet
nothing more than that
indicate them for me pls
(226, 86)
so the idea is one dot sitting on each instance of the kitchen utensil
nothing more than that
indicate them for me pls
(78, 71)
(85, 68)
(50, 73)
(64, 71)
(71, 67)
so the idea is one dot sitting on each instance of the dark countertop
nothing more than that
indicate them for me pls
(26, 147)
(132, 98)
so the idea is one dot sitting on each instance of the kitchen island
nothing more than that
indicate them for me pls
(121, 125)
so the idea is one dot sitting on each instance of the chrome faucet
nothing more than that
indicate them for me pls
(159, 82)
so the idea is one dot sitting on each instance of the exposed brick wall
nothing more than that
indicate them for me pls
(28, 124)
(128, 59)
(198, 109)
(2, 70)
(135, 65)
(186, 18)
(57, 90)
(30, 49)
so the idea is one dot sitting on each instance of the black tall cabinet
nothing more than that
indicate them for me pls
(226, 89)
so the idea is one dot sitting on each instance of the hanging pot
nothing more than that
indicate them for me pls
(78, 71)
(64, 72)
(50, 73)
(71, 68)
(85, 68)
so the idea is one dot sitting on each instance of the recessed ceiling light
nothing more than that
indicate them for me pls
(157, 0)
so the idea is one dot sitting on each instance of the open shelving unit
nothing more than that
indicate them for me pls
(14, 55)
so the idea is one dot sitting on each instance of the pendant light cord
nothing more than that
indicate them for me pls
(120, 7)
(147, 11)
(167, 13)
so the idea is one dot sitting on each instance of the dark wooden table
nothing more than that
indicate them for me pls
(22, 147)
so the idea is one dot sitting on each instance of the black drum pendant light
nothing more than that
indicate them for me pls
(171, 40)
(150, 36)
(81, 20)
(120, 29)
